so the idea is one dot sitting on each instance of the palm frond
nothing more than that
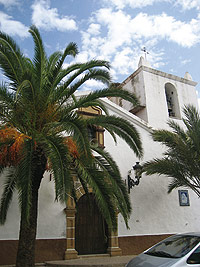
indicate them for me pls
(101, 190)
(74, 125)
(52, 61)
(159, 166)
(181, 161)
(55, 73)
(88, 66)
(6, 198)
(102, 76)
(11, 60)
(64, 73)
(40, 58)
(192, 122)
(176, 128)
(85, 72)
(60, 162)
(174, 184)
(26, 90)
(107, 92)
(111, 173)
(71, 50)
(192, 116)
(122, 128)
(98, 75)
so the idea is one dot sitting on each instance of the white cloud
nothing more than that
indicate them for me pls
(188, 4)
(122, 28)
(12, 27)
(8, 3)
(185, 34)
(120, 37)
(92, 85)
(94, 29)
(121, 4)
(48, 18)
(167, 27)
(125, 60)
(185, 61)
(82, 57)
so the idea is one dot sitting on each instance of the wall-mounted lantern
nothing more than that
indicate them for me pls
(134, 176)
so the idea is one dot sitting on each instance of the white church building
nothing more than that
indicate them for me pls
(65, 232)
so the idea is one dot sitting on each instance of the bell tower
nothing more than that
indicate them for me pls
(162, 96)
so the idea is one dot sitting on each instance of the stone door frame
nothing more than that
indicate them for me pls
(70, 211)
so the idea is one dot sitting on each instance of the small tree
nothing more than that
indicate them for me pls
(41, 129)
(181, 160)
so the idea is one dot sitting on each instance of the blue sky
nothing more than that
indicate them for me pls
(114, 30)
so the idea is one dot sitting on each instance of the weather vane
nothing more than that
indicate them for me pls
(145, 51)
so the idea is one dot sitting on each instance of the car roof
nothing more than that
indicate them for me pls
(190, 233)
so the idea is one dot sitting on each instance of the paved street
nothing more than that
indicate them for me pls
(92, 261)
(118, 261)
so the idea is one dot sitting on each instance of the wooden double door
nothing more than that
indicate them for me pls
(91, 231)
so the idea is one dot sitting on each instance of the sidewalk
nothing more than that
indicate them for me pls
(117, 261)
(91, 261)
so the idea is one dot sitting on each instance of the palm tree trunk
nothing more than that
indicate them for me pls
(28, 230)
(27, 236)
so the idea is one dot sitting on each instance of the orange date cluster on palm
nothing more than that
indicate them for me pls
(72, 147)
(11, 142)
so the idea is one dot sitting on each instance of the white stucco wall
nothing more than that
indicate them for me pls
(10, 230)
(154, 211)
(51, 215)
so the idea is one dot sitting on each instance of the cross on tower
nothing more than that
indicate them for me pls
(145, 51)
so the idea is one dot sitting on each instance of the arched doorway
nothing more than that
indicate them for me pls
(91, 231)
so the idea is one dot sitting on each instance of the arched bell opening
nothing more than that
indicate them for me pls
(172, 101)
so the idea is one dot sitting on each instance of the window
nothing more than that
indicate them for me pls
(176, 246)
(194, 257)
(92, 134)
(95, 133)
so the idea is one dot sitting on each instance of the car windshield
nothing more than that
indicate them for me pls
(175, 246)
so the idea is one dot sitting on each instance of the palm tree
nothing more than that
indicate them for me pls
(181, 160)
(41, 130)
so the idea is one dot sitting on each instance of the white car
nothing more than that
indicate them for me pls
(179, 250)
